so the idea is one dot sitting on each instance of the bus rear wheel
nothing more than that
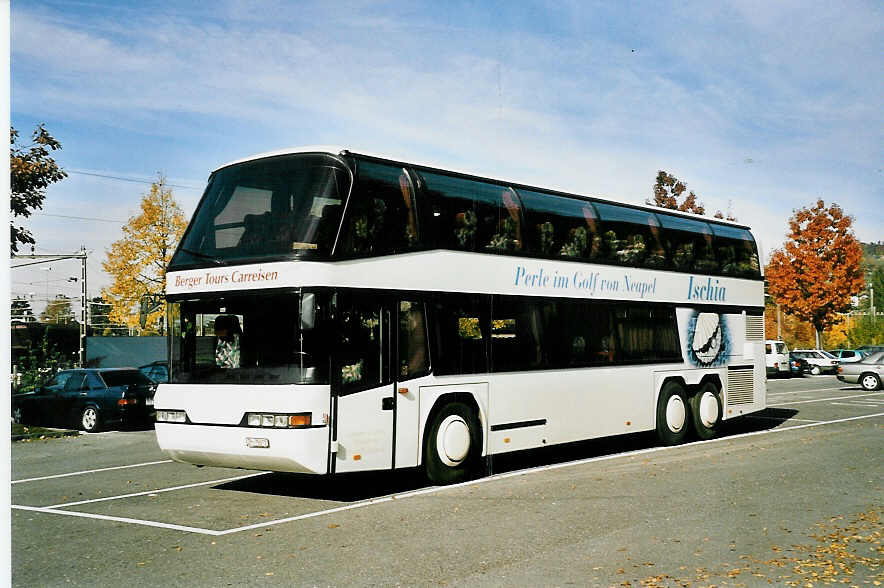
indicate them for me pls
(452, 447)
(672, 414)
(706, 411)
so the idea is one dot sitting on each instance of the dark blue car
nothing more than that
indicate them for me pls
(88, 399)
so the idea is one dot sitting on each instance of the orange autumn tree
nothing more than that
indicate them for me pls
(668, 190)
(819, 267)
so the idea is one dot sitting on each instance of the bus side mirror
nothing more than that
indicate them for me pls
(308, 311)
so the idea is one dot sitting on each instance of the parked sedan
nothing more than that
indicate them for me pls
(89, 399)
(868, 373)
(820, 361)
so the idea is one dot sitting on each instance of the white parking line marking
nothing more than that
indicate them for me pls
(802, 391)
(431, 490)
(185, 486)
(123, 467)
(827, 399)
(865, 404)
(782, 419)
(86, 515)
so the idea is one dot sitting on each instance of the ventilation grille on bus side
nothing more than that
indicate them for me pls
(754, 328)
(740, 385)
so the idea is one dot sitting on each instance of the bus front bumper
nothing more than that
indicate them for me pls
(279, 450)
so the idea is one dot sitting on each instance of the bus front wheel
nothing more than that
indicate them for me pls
(452, 448)
(706, 411)
(672, 414)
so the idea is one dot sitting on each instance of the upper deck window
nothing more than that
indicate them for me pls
(737, 252)
(382, 215)
(631, 236)
(561, 227)
(275, 207)
(474, 215)
(689, 242)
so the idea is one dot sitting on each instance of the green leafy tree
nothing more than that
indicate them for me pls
(21, 310)
(41, 361)
(31, 171)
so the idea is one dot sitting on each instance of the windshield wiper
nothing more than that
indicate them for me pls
(201, 255)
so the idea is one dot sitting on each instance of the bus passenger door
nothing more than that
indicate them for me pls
(362, 384)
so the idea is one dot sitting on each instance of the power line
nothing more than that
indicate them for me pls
(124, 179)
(85, 218)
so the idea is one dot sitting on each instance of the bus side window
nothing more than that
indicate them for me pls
(414, 361)
(460, 325)
(472, 215)
(737, 252)
(689, 242)
(381, 214)
(360, 345)
(516, 335)
(631, 236)
(647, 333)
(561, 227)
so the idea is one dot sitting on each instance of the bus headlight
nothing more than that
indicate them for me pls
(171, 416)
(278, 421)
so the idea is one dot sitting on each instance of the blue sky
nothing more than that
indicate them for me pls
(764, 105)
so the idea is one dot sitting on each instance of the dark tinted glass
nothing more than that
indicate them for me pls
(689, 244)
(280, 206)
(630, 236)
(546, 334)
(517, 335)
(647, 333)
(77, 381)
(382, 213)
(561, 227)
(473, 215)
(414, 357)
(737, 252)
(461, 329)
(583, 333)
(124, 378)
(362, 329)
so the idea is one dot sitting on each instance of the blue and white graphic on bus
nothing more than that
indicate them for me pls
(708, 338)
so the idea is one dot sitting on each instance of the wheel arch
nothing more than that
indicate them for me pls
(714, 379)
(677, 378)
(467, 398)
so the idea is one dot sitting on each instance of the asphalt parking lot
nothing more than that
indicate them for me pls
(745, 509)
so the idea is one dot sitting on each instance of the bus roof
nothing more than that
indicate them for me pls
(339, 150)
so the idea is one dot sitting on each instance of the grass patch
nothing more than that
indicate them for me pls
(30, 432)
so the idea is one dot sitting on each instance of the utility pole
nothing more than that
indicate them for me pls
(81, 255)
(779, 326)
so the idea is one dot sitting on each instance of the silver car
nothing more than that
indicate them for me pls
(868, 373)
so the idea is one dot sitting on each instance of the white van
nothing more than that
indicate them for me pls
(776, 358)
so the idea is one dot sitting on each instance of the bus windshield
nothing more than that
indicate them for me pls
(276, 207)
(248, 339)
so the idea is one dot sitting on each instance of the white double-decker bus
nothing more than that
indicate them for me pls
(333, 311)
